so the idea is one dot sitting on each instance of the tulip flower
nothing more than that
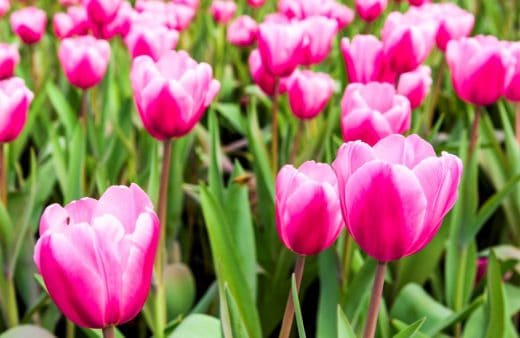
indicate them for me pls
(319, 33)
(223, 10)
(513, 89)
(15, 99)
(242, 31)
(418, 2)
(261, 77)
(114, 240)
(172, 94)
(373, 111)
(256, 3)
(415, 85)
(369, 10)
(66, 3)
(4, 7)
(74, 22)
(102, 11)
(9, 59)
(152, 40)
(454, 23)
(341, 13)
(180, 16)
(84, 60)
(29, 24)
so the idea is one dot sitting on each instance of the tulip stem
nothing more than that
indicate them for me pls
(517, 122)
(12, 306)
(274, 128)
(3, 175)
(288, 316)
(345, 267)
(109, 332)
(70, 329)
(375, 301)
(296, 143)
(84, 107)
(474, 131)
(434, 98)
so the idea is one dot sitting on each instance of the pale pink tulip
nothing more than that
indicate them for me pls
(4, 7)
(454, 23)
(151, 40)
(415, 85)
(29, 24)
(513, 88)
(102, 11)
(319, 33)
(256, 3)
(309, 92)
(223, 10)
(364, 58)
(74, 22)
(242, 31)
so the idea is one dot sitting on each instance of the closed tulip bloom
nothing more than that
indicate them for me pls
(4, 7)
(481, 68)
(415, 85)
(15, 99)
(179, 16)
(9, 59)
(256, 3)
(369, 10)
(454, 23)
(260, 75)
(223, 10)
(513, 89)
(341, 13)
(395, 194)
(172, 94)
(152, 40)
(242, 31)
(102, 11)
(364, 58)
(308, 215)
(29, 24)
(319, 33)
(84, 60)
(370, 112)
(96, 256)
(74, 22)
(309, 92)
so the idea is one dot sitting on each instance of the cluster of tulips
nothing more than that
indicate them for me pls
(98, 258)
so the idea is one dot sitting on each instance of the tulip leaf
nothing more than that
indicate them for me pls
(231, 112)
(24, 331)
(215, 183)
(198, 326)
(359, 289)
(297, 308)
(76, 164)
(495, 307)
(344, 328)
(411, 330)
(62, 107)
(329, 295)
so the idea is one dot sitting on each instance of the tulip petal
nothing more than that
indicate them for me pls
(408, 151)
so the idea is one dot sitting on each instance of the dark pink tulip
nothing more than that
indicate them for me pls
(341, 13)
(308, 92)
(119, 25)
(454, 23)
(172, 94)
(395, 194)
(114, 240)
(15, 99)
(4, 7)
(418, 2)
(256, 3)
(223, 10)
(369, 10)
(415, 85)
(242, 31)
(319, 32)
(9, 59)
(280, 47)
(74, 22)
(84, 60)
(102, 11)
(308, 214)
(151, 40)
(370, 112)
(29, 24)
(260, 75)
(513, 89)
(481, 68)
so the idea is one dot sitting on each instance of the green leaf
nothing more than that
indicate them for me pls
(329, 295)
(198, 326)
(76, 164)
(359, 290)
(231, 112)
(344, 328)
(297, 308)
(215, 183)
(24, 331)
(60, 103)
(411, 330)
(495, 308)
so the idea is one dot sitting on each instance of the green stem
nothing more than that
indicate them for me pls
(348, 247)
(296, 143)
(12, 306)
(70, 329)
(474, 131)
(288, 316)
(274, 129)
(517, 122)
(434, 98)
(375, 301)
(84, 107)
(109, 332)
(3, 175)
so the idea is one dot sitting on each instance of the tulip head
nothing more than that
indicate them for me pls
(151, 39)
(415, 85)
(9, 59)
(15, 99)
(319, 33)
(259, 73)
(223, 10)
(242, 31)
(369, 10)
(29, 24)
(513, 88)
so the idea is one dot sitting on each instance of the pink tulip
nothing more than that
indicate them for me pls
(193, 4)
(341, 13)
(481, 68)
(260, 75)
(172, 94)
(280, 47)
(84, 60)
(369, 10)
(308, 92)
(4, 7)
(256, 3)
(102, 11)
(418, 2)
(242, 32)
(454, 23)
(415, 85)
(151, 40)
(513, 89)
(114, 239)
(370, 112)
(15, 99)
(319, 33)
(364, 58)
(29, 24)
(74, 22)
(179, 16)
(395, 194)
(223, 10)
(67, 3)
(9, 59)
(119, 25)
(308, 215)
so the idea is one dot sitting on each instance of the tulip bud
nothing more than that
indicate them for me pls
(454, 23)
(319, 33)
(223, 10)
(15, 99)
(74, 22)
(513, 89)
(152, 40)
(102, 11)
(9, 59)
(4, 7)
(262, 78)
(256, 3)
(29, 24)
(242, 32)
(341, 13)
(415, 85)
(364, 58)
(369, 10)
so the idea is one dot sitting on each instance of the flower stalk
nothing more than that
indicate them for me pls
(274, 126)
(375, 301)
(288, 316)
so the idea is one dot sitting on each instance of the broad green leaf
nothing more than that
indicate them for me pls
(344, 328)
(411, 330)
(198, 326)
(476, 325)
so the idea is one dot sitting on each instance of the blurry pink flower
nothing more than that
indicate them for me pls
(513, 89)
(9, 59)
(223, 10)
(369, 10)
(341, 13)
(370, 112)
(114, 241)
(4, 7)
(261, 77)
(74, 22)
(29, 24)
(280, 47)
(84, 60)
(454, 23)
(102, 11)
(364, 58)
(308, 214)
(179, 16)
(395, 194)
(319, 33)
(242, 31)
(119, 25)
(309, 92)
(151, 40)
(15, 99)
(418, 2)
(172, 94)
(481, 68)
(415, 85)
(194, 4)
(256, 3)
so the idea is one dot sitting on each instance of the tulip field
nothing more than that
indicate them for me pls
(259, 168)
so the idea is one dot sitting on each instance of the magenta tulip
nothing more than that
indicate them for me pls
(418, 2)
(4, 7)
(152, 40)
(172, 94)
(102, 11)
(114, 240)
(74, 22)
(369, 10)
(481, 68)
(260, 75)
(223, 10)
(29, 24)
(319, 33)
(84, 60)
(370, 112)
(454, 23)
(9, 59)
(15, 99)
(242, 31)
(308, 214)
(364, 58)
(513, 89)
(395, 194)
(256, 3)
(415, 85)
